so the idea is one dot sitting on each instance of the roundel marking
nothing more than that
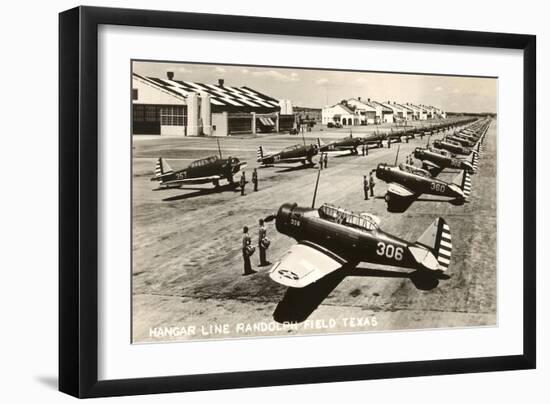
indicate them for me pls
(288, 274)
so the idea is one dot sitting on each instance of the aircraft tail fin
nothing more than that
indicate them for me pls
(437, 238)
(161, 168)
(320, 143)
(260, 153)
(474, 158)
(464, 181)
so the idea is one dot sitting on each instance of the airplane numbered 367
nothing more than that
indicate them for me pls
(208, 170)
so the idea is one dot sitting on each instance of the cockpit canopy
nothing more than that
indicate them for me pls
(204, 161)
(414, 170)
(294, 147)
(363, 221)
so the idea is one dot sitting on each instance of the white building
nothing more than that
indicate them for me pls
(340, 113)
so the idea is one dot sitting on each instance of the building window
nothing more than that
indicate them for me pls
(134, 94)
(151, 113)
(139, 113)
(172, 115)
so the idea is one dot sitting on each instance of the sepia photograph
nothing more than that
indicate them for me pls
(272, 201)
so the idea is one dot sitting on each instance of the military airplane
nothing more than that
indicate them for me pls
(465, 142)
(407, 183)
(436, 160)
(210, 169)
(348, 143)
(330, 238)
(452, 146)
(292, 154)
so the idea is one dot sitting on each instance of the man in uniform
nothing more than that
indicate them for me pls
(326, 160)
(263, 243)
(246, 252)
(371, 184)
(255, 179)
(366, 187)
(242, 182)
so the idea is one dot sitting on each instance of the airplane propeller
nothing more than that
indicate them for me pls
(316, 186)
(397, 155)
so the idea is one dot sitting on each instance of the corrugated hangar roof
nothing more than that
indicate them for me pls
(219, 95)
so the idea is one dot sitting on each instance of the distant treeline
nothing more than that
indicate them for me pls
(491, 114)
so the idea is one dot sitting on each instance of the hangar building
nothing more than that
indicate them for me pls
(173, 107)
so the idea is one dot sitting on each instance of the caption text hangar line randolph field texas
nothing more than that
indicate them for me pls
(277, 201)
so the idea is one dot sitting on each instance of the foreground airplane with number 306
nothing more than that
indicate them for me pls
(330, 238)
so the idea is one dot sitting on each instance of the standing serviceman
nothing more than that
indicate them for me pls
(326, 160)
(248, 250)
(366, 187)
(263, 243)
(242, 183)
(371, 184)
(255, 179)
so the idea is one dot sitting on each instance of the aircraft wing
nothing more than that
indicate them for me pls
(304, 264)
(432, 167)
(197, 180)
(400, 191)
(290, 160)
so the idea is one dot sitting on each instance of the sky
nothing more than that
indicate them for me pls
(318, 88)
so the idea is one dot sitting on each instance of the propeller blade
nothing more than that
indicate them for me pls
(316, 186)
(270, 218)
(397, 155)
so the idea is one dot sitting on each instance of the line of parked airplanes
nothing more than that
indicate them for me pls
(331, 238)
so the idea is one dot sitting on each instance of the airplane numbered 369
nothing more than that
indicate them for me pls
(292, 154)
(349, 143)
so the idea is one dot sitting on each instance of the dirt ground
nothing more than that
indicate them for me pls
(187, 265)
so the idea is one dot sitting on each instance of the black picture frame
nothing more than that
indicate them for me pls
(78, 200)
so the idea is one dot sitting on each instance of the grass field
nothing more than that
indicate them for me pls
(187, 263)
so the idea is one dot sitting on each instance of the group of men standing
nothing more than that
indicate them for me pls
(248, 249)
(368, 186)
(242, 181)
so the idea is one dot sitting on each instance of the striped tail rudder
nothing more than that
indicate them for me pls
(475, 160)
(467, 184)
(260, 153)
(443, 245)
(161, 168)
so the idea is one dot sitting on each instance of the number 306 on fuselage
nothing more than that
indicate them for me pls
(330, 238)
